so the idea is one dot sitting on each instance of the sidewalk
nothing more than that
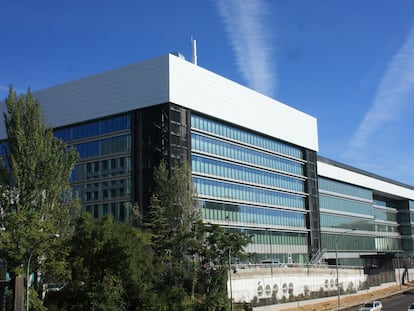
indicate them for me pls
(299, 304)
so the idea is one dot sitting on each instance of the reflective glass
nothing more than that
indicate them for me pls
(386, 215)
(229, 191)
(96, 128)
(344, 188)
(383, 243)
(103, 147)
(220, 129)
(250, 175)
(332, 241)
(384, 202)
(344, 205)
(215, 211)
(243, 154)
(384, 227)
(281, 245)
(346, 222)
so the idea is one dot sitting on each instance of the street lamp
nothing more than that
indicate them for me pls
(53, 236)
(271, 250)
(231, 289)
(336, 262)
(398, 267)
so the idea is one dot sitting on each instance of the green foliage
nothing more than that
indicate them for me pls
(107, 295)
(112, 268)
(193, 258)
(172, 213)
(37, 199)
(175, 262)
(35, 302)
(34, 176)
(218, 249)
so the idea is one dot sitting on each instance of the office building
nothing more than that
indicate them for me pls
(254, 162)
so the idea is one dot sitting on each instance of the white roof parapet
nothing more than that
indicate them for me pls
(204, 91)
(366, 180)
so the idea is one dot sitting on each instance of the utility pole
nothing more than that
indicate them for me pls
(18, 293)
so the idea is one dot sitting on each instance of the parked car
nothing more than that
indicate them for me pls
(271, 263)
(411, 307)
(372, 306)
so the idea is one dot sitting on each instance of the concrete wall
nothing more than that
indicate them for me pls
(263, 282)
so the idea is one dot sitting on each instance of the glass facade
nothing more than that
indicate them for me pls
(346, 222)
(348, 242)
(356, 221)
(329, 185)
(253, 215)
(248, 181)
(234, 134)
(344, 205)
(254, 176)
(385, 212)
(283, 246)
(214, 189)
(102, 175)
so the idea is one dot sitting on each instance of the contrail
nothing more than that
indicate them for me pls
(246, 25)
(394, 95)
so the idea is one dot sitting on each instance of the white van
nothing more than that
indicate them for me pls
(271, 263)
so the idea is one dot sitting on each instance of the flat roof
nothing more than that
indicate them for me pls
(345, 173)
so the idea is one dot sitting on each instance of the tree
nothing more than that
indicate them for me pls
(112, 269)
(36, 197)
(193, 256)
(219, 246)
(172, 214)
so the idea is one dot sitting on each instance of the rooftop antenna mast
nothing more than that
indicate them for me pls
(194, 45)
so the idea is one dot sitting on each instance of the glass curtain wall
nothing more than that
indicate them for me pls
(385, 212)
(355, 221)
(406, 220)
(254, 184)
(102, 175)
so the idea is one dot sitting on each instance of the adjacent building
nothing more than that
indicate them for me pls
(254, 162)
(369, 216)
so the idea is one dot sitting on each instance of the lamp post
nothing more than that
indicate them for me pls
(271, 250)
(399, 270)
(53, 236)
(231, 289)
(336, 262)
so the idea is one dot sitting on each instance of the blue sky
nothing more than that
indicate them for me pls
(349, 63)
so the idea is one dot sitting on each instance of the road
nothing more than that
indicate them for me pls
(396, 303)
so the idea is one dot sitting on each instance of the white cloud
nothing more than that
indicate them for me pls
(245, 23)
(395, 94)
